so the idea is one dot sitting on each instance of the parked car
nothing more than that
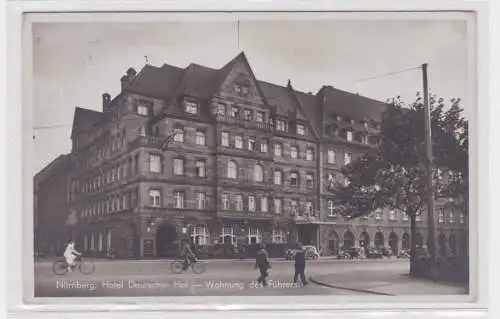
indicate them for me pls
(404, 253)
(310, 251)
(386, 252)
(374, 254)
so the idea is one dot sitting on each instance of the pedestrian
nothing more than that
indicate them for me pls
(262, 262)
(300, 265)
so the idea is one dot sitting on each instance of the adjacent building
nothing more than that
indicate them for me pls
(217, 155)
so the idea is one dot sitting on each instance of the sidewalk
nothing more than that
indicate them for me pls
(390, 284)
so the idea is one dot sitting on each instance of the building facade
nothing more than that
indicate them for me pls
(223, 158)
(51, 206)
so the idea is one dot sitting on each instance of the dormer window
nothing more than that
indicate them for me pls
(241, 89)
(281, 125)
(142, 109)
(235, 111)
(247, 114)
(259, 117)
(191, 107)
(301, 129)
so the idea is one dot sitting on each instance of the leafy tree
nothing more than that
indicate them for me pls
(394, 176)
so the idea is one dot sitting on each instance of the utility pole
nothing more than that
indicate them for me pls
(430, 178)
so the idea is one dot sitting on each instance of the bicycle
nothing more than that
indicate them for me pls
(86, 267)
(197, 266)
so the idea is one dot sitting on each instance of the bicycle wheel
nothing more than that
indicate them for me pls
(176, 266)
(60, 267)
(86, 267)
(198, 267)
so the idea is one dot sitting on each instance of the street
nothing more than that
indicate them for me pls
(221, 278)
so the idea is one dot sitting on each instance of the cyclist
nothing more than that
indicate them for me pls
(187, 253)
(70, 254)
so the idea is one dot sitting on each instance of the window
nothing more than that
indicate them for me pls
(462, 218)
(232, 170)
(99, 242)
(225, 139)
(247, 115)
(277, 206)
(263, 146)
(294, 179)
(178, 135)
(191, 107)
(259, 117)
(200, 200)
(235, 111)
(124, 202)
(258, 173)
(331, 157)
(263, 204)
(378, 214)
(281, 125)
(200, 235)
(251, 203)
(238, 202)
(178, 200)
(277, 178)
(349, 136)
(92, 242)
(309, 155)
(142, 109)
(225, 201)
(154, 197)
(405, 216)
(294, 154)
(331, 209)
(227, 235)
(392, 214)
(309, 181)
(254, 235)
(294, 207)
(452, 217)
(279, 236)
(278, 150)
(310, 208)
(251, 143)
(301, 129)
(220, 109)
(347, 158)
(441, 216)
(200, 138)
(154, 164)
(200, 168)
(238, 142)
(178, 166)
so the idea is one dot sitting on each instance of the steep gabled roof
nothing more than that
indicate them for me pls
(84, 119)
(352, 105)
(52, 168)
(157, 82)
(279, 97)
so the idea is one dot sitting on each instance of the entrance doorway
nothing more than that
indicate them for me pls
(166, 237)
(379, 240)
(393, 243)
(348, 240)
(307, 234)
(333, 243)
(364, 240)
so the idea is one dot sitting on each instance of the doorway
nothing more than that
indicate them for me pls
(166, 241)
(307, 234)
(393, 243)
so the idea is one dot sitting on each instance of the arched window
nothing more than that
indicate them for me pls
(258, 173)
(232, 170)
(200, 235)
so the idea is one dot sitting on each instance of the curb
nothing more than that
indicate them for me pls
(349, 289)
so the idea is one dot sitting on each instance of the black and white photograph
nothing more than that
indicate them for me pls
(253, 155)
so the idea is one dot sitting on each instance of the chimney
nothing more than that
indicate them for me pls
(128, 77)
(289, 83)
(106, 101)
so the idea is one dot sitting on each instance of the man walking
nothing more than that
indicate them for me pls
(300, 265)
(262, 262)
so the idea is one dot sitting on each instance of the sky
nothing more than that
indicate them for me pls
(74, 63)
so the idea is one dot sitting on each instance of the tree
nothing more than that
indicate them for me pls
(394, 176)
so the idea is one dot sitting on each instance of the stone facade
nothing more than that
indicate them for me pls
(220, 157)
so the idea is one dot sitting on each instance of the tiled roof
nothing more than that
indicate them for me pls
(52, 168)
(352, 105)
(157, 82)
(279, 97)
(84, 119)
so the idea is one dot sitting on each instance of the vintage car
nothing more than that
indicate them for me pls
(310, 251)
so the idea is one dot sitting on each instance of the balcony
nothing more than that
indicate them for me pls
(148, 141)
(306, 218)
(232, 214)
(249, 124)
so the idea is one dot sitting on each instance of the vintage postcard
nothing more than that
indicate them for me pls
(260, 155)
